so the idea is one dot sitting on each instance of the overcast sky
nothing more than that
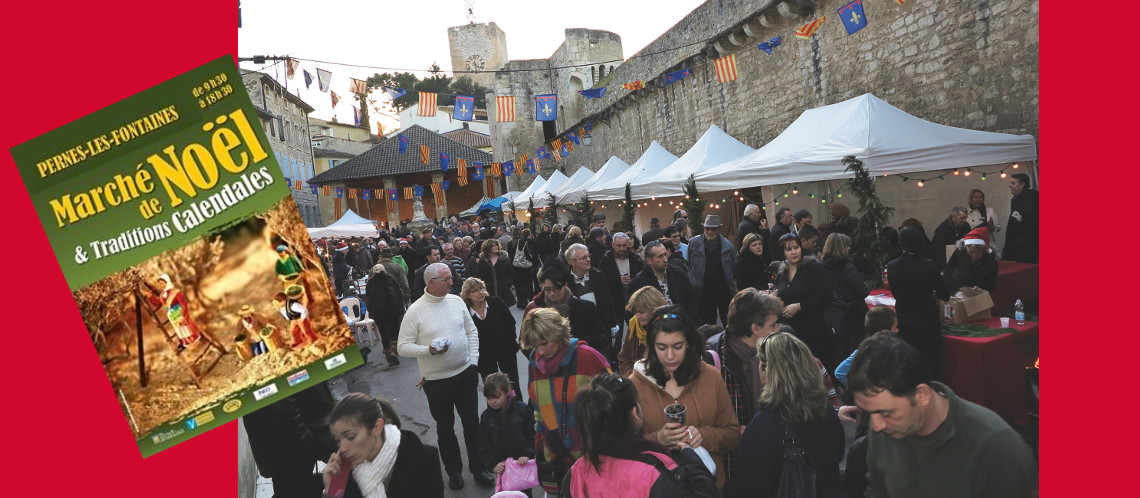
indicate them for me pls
(411, 35)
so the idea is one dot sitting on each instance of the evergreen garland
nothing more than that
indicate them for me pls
(694, 207)
(627, 212)
(868, 251)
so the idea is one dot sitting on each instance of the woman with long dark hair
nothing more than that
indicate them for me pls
(616, 459)
(383, 459)
(674, 373)
(523, 277)
(979, 215)
(386, 308)
(793, 404)
(803, 286)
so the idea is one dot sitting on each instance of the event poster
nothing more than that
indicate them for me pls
(186, 256)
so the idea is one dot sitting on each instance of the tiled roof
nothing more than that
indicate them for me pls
(469, 138)
(385, 159)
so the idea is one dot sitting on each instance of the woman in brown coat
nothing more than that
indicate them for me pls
(673, 372)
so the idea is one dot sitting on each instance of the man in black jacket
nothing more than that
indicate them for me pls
(655, 232)
(783, 227)
(589, 284)
(947, 234)
(619, 266)
(585, 322)
(753, 222)
(418, 283)
(672, 282)
(1024, 223)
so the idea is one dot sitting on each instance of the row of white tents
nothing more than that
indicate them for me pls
(808, 154)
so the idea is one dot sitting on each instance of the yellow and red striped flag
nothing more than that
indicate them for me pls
(462, 167)
(427, 104)
(636, 85)
(900, 2)
(377, 193)
(805, 31)
(504, 109)
(557, 155)
(425, 154)
(726, 68)
(357, 86)
(351, 193)
(408, 192)
(326, 189)
(556, 144)
(496, 169)
(462, 180)
(298, 185)
(569, 147)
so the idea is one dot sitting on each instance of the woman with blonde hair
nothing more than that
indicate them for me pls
(642, 304)
(559, 367)
(497, 344)
(793, 410)
(573, 236)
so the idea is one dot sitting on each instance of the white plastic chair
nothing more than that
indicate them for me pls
(357, 316)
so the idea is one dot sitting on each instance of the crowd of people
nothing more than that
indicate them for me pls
(737, 361)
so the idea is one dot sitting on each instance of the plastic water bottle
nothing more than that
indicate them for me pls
(1019, 312)
(886, 284)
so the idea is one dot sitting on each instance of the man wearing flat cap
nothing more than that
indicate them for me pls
(711, 261)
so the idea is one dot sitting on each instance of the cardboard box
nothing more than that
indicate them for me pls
(973, 306)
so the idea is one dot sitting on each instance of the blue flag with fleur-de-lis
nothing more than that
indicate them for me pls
(393, 194)
(676, 76)
(418, 191)
(367, 193)
(530, 166)
(403, 143)
(446, 184)
(464, 107)
(546, 107)
(339, 192)
(444, 159)
(853, 17)
(478, 171)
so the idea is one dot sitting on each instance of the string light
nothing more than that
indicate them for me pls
(955, 171)
(967, 173)
(1003, 174)
(735, 192)
(795, 192)
(1014, 165)
(920, 184)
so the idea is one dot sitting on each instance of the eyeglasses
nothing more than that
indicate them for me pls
(553, 289)
(443, 278)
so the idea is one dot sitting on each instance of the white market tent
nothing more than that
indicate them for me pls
(613, 168)
(576, 180)
(556, 180)
(349, 225)
(887, 140)
(809, 153)
(652, 161)
(538, 182)
(713, 148)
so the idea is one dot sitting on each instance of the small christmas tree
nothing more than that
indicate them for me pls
(550, 216)
(583, 212)
(693, 206)
(868, 252)
(627, 212)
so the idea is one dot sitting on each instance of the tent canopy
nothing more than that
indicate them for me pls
(556, 180)
(652, 161)
(474, 209)
(887, 140)
(538, 182)
(612, 169)
(349, 225)
(713, 148)
(496, 203)
(576, 180)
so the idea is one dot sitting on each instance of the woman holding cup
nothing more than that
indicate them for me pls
(684, 399)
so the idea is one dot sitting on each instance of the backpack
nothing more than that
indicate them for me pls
(686, 479)
(797, 470)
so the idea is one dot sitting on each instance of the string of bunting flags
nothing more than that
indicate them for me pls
(852, 15)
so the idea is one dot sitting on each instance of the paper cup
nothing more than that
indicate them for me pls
(675, 413)
(1005, 322)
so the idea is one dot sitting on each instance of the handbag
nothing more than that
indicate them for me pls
(517, 477)
(520, 260)
(797, 474)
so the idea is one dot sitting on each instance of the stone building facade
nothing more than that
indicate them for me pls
(585, 58)
(285, 118)
(965, 64)
(477, 47)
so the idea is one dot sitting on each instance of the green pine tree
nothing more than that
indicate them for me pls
(550, 215)
(693, 206)
(868, 251)
(627, 212)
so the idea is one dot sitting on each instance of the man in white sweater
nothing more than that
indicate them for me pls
(450, 372)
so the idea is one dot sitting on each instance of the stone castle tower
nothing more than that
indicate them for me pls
(478, 47)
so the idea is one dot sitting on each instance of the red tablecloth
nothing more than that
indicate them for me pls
(1015, 281)
(990, 371)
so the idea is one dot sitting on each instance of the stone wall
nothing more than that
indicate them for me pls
(966, 64)
(526, 78)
